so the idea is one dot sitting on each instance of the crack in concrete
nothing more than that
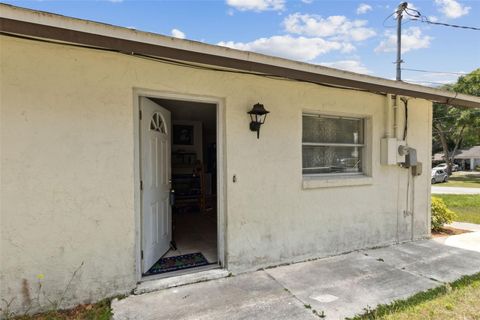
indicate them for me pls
(305, 304)
(403, 268)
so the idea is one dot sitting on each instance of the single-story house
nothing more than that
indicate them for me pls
(128, 156)
(468, 158)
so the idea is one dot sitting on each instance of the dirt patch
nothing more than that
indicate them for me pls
(448, 231)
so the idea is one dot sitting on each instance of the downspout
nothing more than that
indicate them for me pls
(388, 117)
(396, 116)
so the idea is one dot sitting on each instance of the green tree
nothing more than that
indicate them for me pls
(455, 127)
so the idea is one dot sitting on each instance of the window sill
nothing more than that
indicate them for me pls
(312, 182)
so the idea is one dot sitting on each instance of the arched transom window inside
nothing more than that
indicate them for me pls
(157, 123)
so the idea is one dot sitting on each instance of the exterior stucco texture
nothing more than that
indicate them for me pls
(68, 171)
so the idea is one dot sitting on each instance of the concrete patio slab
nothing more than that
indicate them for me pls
(430, 259)
(343, 286)
(340, 286)
(248, 296)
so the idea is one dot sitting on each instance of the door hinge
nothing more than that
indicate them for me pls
(140, 114)
(141, 184)
(141, 253)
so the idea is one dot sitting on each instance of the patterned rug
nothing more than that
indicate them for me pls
(184, 261)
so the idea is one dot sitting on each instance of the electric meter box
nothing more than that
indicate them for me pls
(389, 155)
(388, 151)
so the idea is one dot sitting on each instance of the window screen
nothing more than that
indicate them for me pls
(332, 145)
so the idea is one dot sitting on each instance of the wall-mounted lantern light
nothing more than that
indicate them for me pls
(258, 114)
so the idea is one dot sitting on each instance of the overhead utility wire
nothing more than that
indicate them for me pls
(417, 16)
(425, 81)
(430, 71)
(450, 25)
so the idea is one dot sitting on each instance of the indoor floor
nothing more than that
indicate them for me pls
(195, 232)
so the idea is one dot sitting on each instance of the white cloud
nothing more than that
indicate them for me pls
(257, 5)
(452, 8)
(432, 18)
(412, 39)
(178, 34)
(339, 27)
(286, 46)
(364, 8)
(349, 65)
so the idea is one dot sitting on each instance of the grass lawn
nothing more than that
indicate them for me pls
(467, 207)
(459, 300)
(466, 181)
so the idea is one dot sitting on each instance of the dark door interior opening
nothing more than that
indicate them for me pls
(193, 139)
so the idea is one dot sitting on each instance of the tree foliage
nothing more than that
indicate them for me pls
(455, 127)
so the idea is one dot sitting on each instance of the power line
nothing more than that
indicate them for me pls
(448, 25)
(425, 81)
(430, 71)
(387, 19)
(417, 16)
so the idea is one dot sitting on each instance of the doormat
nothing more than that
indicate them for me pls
(185, 261)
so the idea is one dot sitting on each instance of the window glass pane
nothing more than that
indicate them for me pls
(321, 129)
(322, 159)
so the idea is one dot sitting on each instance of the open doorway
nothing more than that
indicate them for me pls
(178, 159)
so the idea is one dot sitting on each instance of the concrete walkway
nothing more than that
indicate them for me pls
(455, 190)
(467, 241)
(338, 287)
(465, 226)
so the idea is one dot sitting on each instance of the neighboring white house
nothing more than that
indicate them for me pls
(99, 123)
(468, 158)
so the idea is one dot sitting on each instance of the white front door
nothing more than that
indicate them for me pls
(155, 131)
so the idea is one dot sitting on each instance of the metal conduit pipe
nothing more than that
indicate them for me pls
(388, 117)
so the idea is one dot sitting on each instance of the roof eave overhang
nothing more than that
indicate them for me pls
(255, 63)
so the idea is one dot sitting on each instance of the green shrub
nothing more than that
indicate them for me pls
(440, 214)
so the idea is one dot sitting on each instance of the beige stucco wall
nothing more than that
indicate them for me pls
(67, 171)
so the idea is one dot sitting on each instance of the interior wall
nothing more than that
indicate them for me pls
(194, 111)
(67, 158)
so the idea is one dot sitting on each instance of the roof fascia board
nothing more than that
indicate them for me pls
(132, 41)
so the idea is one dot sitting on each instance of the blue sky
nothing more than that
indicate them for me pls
(344, 34)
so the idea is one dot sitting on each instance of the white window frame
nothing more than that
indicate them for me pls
(363, 147)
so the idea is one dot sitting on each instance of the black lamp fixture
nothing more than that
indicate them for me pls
(258, 114)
